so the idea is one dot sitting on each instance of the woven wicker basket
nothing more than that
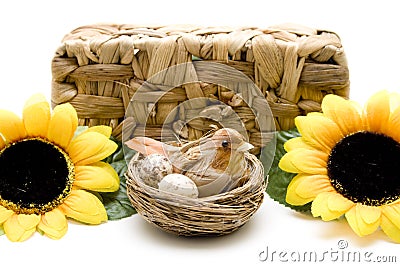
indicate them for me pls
(98, 68)
(208, 216)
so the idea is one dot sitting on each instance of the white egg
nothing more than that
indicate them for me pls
(179, 184)
(153, 168)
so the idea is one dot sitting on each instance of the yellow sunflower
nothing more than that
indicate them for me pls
(347, 161)
(46, 175)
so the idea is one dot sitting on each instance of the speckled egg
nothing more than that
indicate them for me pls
(179, 184)
(153, 168)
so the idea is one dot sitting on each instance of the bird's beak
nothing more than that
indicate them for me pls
(244, 146)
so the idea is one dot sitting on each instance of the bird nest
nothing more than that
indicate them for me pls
(208, 216)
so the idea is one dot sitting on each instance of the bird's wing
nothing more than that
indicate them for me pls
(196, 163)
(214, 187)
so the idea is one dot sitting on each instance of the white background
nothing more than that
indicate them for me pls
(32, 30)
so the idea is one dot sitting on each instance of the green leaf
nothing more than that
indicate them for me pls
(117, 204)
(194, 58)
(278, 180)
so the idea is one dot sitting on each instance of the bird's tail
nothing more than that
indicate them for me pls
(146, 146)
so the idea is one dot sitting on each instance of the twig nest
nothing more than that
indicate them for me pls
(153, 168)
(204, 216)
(179, 184)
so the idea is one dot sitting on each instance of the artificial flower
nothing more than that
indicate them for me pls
(47, 174)
(347, 161)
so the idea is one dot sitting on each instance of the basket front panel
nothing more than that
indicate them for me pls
(98, 68)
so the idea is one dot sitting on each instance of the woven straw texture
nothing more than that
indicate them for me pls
(98, 68)
(209, 216)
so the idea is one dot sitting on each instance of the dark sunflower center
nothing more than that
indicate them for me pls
(35, 176)
(364, 167)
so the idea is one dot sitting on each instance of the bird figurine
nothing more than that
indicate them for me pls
(216, 162)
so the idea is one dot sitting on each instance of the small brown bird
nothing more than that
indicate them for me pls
(215, 162)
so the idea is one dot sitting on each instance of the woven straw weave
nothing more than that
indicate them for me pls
(98, 68)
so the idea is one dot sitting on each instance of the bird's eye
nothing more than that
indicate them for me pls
(225, 143)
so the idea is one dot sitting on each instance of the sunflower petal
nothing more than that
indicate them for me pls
(292, 197)
(90, 147)
(392, 212)
(377, 111)
(295, 143)
(357, 222)
(343, 113)
(390, 229)
(20, 227)
(338, 202)
(36, 116)
(314, 113)
(101, 129)
(2, 143)
(54, 224)
(312, 185)
(304, 188)
(304, 160)
(394, 125)
(320, 207)
(319, 132)
(99, 176)
(11, 126)
(27, 221)
(352, 219)
(394, 101)
(5, 214)
(62, 125)
(370, 214)
(84, 207)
